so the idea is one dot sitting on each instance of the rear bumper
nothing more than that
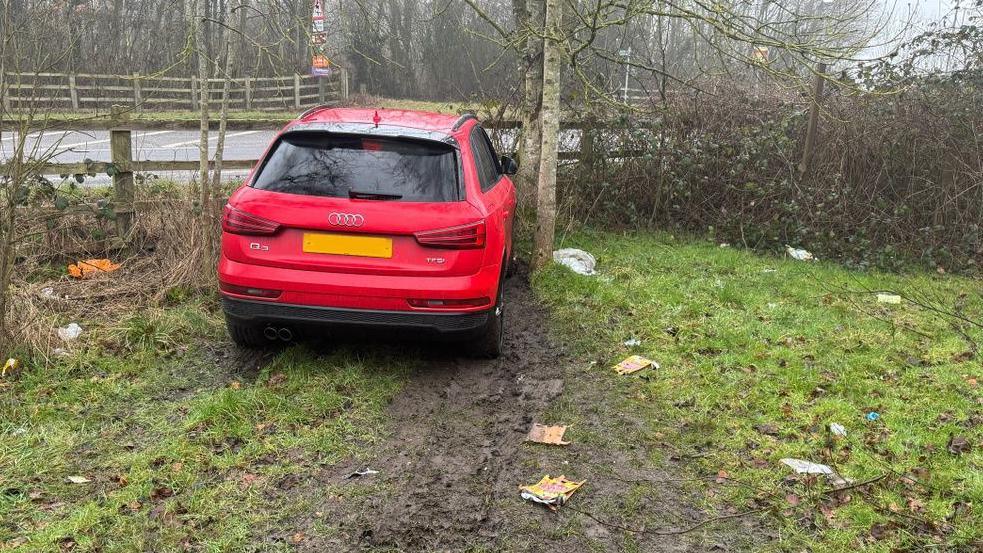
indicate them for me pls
(371, 292)
(262, 312)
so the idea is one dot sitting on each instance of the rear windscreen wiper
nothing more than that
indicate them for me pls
(356, 195)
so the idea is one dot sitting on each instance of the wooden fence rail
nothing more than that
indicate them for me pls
(122, 165)
(85, 91)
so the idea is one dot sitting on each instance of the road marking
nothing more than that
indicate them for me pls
(13, 135)
(109, 139)
(210, 138)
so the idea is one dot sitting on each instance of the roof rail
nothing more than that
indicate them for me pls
(313, 110)
(463, 119)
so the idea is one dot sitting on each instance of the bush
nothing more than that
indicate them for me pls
(895, 178)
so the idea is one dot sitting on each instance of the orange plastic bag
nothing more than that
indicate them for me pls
(89, 267)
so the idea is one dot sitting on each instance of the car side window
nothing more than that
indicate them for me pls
(489, 172)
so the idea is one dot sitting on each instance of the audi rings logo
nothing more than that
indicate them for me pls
(346, 219)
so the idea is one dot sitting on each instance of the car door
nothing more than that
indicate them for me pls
(497, 192)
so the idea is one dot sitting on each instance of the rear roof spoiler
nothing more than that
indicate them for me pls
(462, 120)
(313, 110)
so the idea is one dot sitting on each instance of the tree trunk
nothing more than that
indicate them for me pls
(203, 87)
(532, 100)
(223, 118)
(550, 128)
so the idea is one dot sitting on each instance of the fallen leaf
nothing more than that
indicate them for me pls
(298, 537)
(880, 531)
(768, 429)
(235, 385)
(134, 505)
(792, 499)
(277, 379)
(958, 445)
(915, 505)
(249, 478)
(161, 492)
(78, 480)
(722, 476)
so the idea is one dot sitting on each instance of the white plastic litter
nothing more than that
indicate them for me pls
(48, 293)
(632, 342)
(70, 332)
(576, 260)
(60, 352)
(837, 429)
(801, 255)
(364, 472)
(808, 467)
(889, 298)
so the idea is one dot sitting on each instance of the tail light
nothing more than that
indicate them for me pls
(462, 237)
(236, 221)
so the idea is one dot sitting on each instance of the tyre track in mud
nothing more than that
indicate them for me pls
(461, 424)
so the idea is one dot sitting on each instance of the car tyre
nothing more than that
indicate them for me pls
(245, 335)
(491, 343)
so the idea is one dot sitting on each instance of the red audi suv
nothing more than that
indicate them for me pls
(371, 218)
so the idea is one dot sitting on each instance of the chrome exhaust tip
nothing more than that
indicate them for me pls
(285, 334)
(270, 333)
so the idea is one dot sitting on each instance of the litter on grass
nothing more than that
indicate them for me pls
(90, 267)
(364, 472)
(78, 480)
(888, 298)
(70, 332)
(542, 434)
(808, 467)
(837, 429)
(634, 364)
(873, 416)
(551, 492)
(10, 367)
(576, 260)
(632, 342)
(801, 255)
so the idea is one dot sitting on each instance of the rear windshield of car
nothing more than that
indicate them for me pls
(338, 165)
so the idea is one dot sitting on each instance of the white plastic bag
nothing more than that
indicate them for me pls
(576, 260)
(70, 332)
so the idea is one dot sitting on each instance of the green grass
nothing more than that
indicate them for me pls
(181, 445)
(767, 353)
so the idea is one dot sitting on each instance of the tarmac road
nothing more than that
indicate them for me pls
(176, 145)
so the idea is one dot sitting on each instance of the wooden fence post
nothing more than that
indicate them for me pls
(73, 92)
(194, 93)
(121, 153)
(137, 92)
(5, 92)
(296, 91)
(249, 93)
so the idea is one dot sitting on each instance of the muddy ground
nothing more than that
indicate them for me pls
(454, 456)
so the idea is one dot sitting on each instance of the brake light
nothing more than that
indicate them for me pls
(465, 236)
(248, 291)
(236, 221)
(449, 304)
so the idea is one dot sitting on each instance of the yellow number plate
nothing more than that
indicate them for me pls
(348, 244)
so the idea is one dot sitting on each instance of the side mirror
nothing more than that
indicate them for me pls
(509, 166)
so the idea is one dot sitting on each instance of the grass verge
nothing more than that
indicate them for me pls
(145, 438)
(760, 355)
